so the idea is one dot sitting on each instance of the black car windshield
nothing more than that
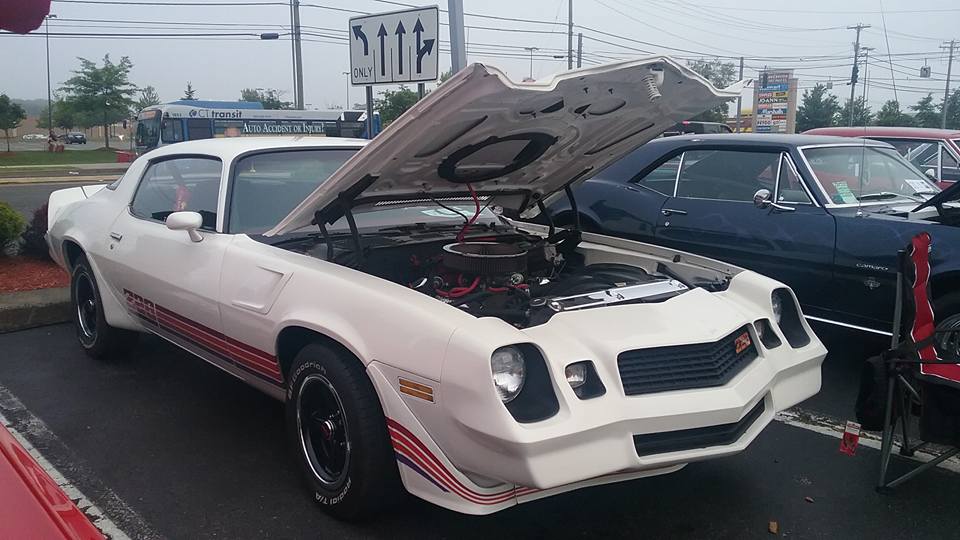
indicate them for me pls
(856, 174)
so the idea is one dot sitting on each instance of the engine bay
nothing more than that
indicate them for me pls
(521, 278)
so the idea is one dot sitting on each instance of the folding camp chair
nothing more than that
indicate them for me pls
(921, 370)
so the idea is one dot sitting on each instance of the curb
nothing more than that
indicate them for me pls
(57, 180)
(28, 309)
(60, 171)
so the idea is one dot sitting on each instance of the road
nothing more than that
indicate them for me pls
(171, 447)
(25, 198)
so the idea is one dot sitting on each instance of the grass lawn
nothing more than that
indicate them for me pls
(67, 157)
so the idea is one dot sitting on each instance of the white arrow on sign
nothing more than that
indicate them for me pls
(382, 52)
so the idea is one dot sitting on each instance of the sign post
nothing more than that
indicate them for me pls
(394, 47)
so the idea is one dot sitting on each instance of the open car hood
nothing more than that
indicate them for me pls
(952, 193)
(515, 142)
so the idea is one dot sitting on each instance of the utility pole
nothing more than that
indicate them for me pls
(740, 97)
(856, 66)
(579, 49)
(866, 73)
(46, 24)
(531, 50)
(569, 34)
(946, 89)
(297, 53)
(458, 48)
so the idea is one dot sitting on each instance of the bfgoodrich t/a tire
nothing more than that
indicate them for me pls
(98, 339)
(338, 434)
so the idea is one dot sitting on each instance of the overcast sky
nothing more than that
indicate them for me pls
(810, 36)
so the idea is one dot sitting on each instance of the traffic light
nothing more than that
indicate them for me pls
(763, 79)
(855, 75)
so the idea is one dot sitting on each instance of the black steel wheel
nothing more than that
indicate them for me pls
(338, 434)
(96, 336)
(324, 434)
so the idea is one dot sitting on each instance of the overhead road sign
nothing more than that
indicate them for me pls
(395, 47)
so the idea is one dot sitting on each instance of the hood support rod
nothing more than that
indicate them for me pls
(573, 207)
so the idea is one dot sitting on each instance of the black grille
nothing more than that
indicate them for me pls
(679, 367)
(687, 439)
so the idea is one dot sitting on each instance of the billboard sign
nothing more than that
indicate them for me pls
(773, 102)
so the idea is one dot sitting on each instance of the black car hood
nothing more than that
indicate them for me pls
(950, 194)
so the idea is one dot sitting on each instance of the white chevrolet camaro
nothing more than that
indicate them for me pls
(422, 337)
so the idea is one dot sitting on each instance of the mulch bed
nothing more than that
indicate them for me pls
(27, 274)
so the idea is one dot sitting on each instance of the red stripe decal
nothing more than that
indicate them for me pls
(212, 343)
(258, 361)
(406, 443)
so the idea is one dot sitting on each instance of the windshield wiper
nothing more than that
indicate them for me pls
(888, 195)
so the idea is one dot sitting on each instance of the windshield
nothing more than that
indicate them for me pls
(148, 129)
(854, 174)
(267, 186)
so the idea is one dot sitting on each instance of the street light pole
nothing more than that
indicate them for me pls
(298, 52)
(946, 90)
(531, 50)
(46, 24)
(346, 107)
(569, 34)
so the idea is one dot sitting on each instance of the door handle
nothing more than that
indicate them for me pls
(116, 236)
(671, 212)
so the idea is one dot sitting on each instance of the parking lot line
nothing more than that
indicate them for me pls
(832, 427)
(20, 422)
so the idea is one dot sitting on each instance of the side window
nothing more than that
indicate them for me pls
(921, 153)
(177, 185)
(662, 179)
(172, 130)
(199, 128)
(727, 175)
(949, 168)
(790, 185)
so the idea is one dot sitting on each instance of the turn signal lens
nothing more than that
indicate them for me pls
(576, 374)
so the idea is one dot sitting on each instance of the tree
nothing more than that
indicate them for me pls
(270, 98)
(862, 115)
(63, 116)
(721, 74)
(392, 103)
(148, 98)
(953, 110)
(100, 95)
(445, 76)
(11, 114)
(189, 93)
(818, 108)
(926, 113)
(891, 115)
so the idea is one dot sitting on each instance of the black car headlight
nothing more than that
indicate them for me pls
(788, 318)
(523, 383)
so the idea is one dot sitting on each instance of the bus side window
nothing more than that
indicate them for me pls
(172, 130)
(199, 128)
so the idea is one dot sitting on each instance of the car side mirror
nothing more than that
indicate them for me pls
(763, 199)
(932, 174)
(186, 221)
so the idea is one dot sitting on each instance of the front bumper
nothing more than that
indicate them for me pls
(465, 434)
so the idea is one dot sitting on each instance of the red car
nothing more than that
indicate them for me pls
(934, 151)
(31, 503)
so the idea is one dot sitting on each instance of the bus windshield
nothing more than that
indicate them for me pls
(148, 129)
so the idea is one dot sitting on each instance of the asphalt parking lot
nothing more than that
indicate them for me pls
(169, 446)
